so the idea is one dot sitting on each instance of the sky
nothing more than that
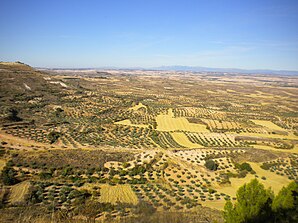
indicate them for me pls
(247, 34)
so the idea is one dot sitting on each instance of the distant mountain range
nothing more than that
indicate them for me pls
(188, 68)
(227, 70)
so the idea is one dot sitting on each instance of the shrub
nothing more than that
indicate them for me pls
(13, 115)
(53, 136)
(242, 173)
(211, 191)
(125, 164)
(45, 175)
(8, 176)
(246, 166)
(266, 166)
(211, 165)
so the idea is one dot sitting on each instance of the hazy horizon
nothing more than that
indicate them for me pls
(148, 68)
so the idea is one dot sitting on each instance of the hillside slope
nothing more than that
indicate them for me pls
(25, 89)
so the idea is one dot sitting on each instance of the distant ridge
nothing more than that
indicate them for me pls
(186, 68)
(227, 70)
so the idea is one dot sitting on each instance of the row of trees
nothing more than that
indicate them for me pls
(257, 204)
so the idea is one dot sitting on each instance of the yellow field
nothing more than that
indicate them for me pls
(235, 184)
(276, 182)
(182, 139)
(217, 204)
(119, 193)
(268, 124)
(169, 123)
(261, 96)
(19, 192)
(128, 122)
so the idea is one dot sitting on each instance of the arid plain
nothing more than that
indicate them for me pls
(117, 141)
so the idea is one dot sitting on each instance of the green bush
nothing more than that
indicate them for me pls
(8, 176)
(211, 165)
(45, 175)
(242, 173)
(266, 166)
(53, 136)
(246, 166)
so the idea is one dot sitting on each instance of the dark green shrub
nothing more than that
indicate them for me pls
(211, 165)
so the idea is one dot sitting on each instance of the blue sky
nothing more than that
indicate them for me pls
(250, 34)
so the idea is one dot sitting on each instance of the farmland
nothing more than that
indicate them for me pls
(173, 142)
(119, 193)
(169, 123)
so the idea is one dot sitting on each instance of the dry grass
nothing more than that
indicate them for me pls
(19, 192)
(118, 193)
(217, 204)
(235, 184)
(2, 164)
(261, 96)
